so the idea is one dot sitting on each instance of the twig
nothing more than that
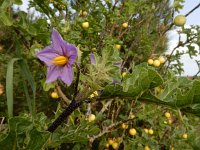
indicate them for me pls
(192, 10)
(195, 75)
(179, 44)
(70, 109)
(106, 106)
(2, 123)
(62, 95)
(108, 129)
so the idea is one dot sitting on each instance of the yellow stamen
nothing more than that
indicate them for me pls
(60, 60)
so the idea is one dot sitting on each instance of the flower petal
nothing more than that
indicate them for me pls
(47, 55)
(92, 59)
(53, 73)
(66, 74)
(70, 51)
(57, 42)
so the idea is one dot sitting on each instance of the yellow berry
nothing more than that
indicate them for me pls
(54, 95)
(151, 131)
(150, 61)
(91, 117)
(147, 148)
(124, 74)
(156, 63)
(169, 121)
(167, 115)
(84, 13)
(185, 136)
(117, 46)
(161, 59)
(125, 25)
(124, 126)
(81, 13)
(107, 145)
(132, 116)
(115, 145)
(132, 131)
(146, 130)
(180, 20)
(94, 49)
(95, 93)
(85, 25)
(110, 141)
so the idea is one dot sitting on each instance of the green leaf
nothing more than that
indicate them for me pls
(37, 139)
(17, 125)
(9, 86)
(5, 19)
(18, 2)
(141, 79)
(179, 93)
(27, 76)
(47, 86)
(9, 143)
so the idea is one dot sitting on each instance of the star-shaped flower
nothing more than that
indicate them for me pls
(59, 58)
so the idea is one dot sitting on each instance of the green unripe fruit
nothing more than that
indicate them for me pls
(180, 20)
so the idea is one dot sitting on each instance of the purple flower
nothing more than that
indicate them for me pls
(92, 59)
(59, 58)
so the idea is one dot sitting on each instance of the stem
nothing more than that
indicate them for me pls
(68, 111)
(180, 115)
(192, 10)
(62, 95)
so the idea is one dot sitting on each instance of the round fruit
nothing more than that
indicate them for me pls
(85, 25)
(125, 25)
(180, 20)
(169, 121)
(124, 126)
(185, 136)
(146, 130)
(81, 13)
(117, 46)
(115, 145)
(84, 13)
(132, 116)
(94, 49)
(161, 59)
(110, 141)
(156, 63)
(54, 95)
(91, 117)
(150, 131)
(107, 145)
(147, 148)
(167, 115)
(123, 74)
(132, 131)
(150, 61)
